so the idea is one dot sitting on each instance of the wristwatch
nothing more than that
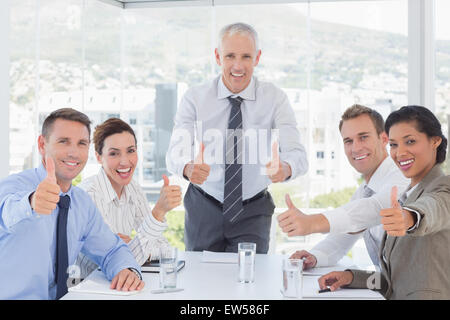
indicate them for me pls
(135, 272)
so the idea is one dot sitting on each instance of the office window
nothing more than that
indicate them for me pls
(166, 50)
(442, 81)
(136, 64)
(23, 71)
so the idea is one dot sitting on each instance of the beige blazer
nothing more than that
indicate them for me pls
(417, 265)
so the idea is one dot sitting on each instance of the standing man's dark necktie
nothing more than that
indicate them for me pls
(232, 202)
(62, 256)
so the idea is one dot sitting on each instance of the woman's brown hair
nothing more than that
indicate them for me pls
(108, 128)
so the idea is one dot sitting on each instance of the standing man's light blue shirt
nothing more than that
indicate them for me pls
(203, 114)
(28, 239)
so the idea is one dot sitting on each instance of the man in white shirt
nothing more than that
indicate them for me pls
(365, 141)
(231, 119)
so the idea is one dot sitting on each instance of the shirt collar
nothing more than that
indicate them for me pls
(110, 194)
(378, 178)
(409, 191)
(248, 93)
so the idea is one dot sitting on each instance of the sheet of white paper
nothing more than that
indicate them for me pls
(311, 290)
(98, 284)
(219, 257)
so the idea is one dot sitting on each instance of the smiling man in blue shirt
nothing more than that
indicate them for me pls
(31, 211)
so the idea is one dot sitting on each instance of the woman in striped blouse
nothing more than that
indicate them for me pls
(120, 199)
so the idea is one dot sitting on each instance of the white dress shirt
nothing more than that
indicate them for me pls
(360, 213)
(203, 116)
(130, 212)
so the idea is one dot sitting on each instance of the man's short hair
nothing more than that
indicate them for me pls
(65, 114)
(357, 110)
(240, 28)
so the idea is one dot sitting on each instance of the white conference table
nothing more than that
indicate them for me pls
(218, 281)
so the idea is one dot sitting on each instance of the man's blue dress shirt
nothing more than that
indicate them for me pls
(28, 239)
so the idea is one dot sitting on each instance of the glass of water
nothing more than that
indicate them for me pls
(168, 260)
(246, 261)
(292, 277)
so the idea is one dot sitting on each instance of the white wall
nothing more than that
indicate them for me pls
(4, 88)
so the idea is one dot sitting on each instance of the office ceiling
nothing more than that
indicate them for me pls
(131, 4)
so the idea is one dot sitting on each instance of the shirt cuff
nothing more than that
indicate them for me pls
(418, 215)
(161, 225)
(22, 210)
(290, 163)
(321, 258)
(137, 273)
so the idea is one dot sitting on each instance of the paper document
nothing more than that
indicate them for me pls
(311, 290)
(97, 283)
(219, 257)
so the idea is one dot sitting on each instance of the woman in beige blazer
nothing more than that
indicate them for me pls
(415, 252)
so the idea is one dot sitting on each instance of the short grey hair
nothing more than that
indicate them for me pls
(240, 28)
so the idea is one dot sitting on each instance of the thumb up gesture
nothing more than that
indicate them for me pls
(395, 220)
(276, 169)
(197, 171)
(169, 198)
(46, 196)
(293, 221)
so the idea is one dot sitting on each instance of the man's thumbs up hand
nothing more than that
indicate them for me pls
(276, 169)
(46, 197)
(199, 159)
(293, 221)
(395, 220)
(50, 168)
(197, 171)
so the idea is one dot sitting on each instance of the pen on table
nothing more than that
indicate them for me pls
(325, 290)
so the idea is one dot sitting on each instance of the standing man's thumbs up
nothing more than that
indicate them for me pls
(166, 180)
(276, 169)
(46, 196)
(197, 171)
(395, 220)
(199, 159)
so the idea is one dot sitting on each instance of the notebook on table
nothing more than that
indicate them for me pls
(153, 266)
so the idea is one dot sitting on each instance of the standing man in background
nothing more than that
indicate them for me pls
(227, 201)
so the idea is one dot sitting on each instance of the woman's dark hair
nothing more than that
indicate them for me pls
(426, 122)
(108, 128)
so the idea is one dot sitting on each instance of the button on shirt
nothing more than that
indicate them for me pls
(130, 212)
(360, 213)
(28, 239)
(203, 116)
